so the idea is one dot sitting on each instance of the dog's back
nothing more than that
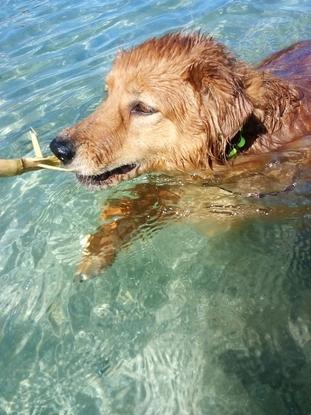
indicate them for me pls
(292, 63)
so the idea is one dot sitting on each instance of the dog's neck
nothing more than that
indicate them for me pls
(276, 104)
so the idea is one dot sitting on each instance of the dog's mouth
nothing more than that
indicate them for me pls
(109, 177)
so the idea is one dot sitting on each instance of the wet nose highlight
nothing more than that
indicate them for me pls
(63, 149)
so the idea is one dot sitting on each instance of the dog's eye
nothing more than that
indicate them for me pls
(139, 108)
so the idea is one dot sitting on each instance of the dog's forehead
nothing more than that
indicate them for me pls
(143, 76)
(160, 64)
(155, 58)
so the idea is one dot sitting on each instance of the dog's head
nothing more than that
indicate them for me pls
(172, 104)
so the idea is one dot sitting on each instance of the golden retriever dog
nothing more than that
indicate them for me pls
(184, 103)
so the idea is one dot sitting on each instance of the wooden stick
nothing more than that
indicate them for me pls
(14, 167)
(35, 143)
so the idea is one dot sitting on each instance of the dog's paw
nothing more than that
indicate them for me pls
(98, 253)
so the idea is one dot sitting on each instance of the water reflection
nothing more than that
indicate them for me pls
(252, 188)
(218, 322)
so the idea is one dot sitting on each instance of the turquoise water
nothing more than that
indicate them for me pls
(183, 322)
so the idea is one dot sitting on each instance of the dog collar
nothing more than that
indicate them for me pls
(235, 148)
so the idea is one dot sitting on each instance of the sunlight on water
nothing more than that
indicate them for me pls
(193, 317)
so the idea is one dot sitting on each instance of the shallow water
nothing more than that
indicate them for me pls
(184, 322)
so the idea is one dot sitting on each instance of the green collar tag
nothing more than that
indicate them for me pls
(238, 146)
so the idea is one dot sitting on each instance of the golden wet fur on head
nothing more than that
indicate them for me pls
(176, 103)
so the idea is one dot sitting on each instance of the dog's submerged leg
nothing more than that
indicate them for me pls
(124, 219)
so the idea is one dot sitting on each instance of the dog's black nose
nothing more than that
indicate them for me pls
(63, 149)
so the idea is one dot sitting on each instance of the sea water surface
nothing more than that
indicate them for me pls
(183, 322)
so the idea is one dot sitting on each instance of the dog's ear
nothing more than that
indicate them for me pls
(224, 105)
